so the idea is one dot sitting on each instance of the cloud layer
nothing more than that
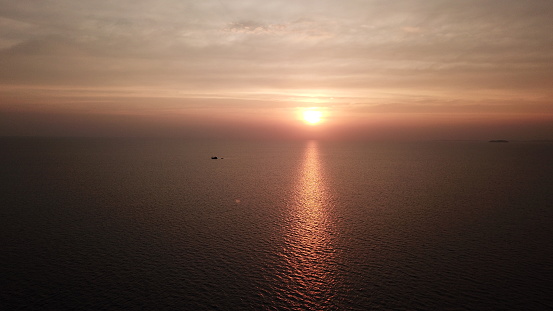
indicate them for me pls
(360, 58)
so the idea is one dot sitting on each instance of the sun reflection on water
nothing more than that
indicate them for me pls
(310, 256)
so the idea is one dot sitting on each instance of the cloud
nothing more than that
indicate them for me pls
(466, 54)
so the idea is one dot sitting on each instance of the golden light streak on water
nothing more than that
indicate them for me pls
(309, 253)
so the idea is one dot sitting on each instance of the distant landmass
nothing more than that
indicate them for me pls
(498, 141)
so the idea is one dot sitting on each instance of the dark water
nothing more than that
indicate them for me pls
(115, 224)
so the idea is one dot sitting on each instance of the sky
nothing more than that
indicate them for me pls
(375, 69)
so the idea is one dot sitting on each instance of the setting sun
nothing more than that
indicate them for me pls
(312, 116)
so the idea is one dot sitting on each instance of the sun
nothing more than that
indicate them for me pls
(312, 116)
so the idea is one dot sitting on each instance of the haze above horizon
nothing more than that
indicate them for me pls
(374, 69)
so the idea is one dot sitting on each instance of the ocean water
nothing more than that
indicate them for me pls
(146, 224)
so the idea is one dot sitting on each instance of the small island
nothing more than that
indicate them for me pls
(498, 141)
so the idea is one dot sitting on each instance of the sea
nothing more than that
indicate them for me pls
(157, 224)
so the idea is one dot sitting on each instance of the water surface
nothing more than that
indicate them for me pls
(114, 224)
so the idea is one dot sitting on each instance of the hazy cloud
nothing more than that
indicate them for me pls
(448, 54)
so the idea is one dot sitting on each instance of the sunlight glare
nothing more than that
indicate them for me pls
(312, 116)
